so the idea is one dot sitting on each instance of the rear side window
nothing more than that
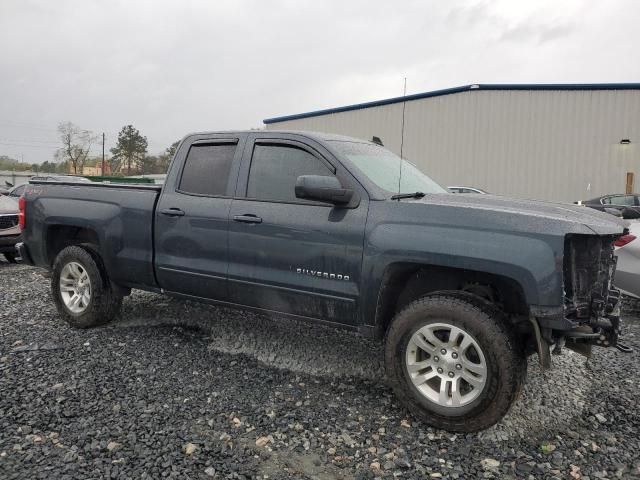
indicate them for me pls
(16, 192)
(206, 169)
(622, 200)
(275, 169)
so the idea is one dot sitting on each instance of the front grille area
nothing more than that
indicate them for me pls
(588, 268)
(8, 221)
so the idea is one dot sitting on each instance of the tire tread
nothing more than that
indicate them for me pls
(105, 302)
(496, 326)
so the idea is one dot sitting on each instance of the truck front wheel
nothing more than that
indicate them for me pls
(81, 288)
(454, 362)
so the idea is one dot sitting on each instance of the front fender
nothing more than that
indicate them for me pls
(534, 262)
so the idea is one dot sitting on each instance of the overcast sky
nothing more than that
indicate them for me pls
(173, 67)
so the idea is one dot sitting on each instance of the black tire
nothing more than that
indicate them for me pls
(104, 304)
(11, 257)
(505, 360)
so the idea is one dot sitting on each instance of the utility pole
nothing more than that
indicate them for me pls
(102, 154)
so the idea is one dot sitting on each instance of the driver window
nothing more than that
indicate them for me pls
(275, 169)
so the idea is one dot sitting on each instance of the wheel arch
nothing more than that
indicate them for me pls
(404, 282)
(59, 237)
(105, 298)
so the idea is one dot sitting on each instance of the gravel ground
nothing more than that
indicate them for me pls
(180, 390)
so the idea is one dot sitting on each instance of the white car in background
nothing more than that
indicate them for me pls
(463, 189)
(627, 250)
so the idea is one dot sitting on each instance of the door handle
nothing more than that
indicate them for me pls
(248, 218)
(172, 212)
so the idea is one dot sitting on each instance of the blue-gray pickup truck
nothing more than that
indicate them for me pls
(461, 288)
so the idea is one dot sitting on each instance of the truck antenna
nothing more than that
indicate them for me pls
(404, 105)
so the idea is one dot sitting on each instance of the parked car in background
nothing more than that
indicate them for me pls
(627, 249)
(9, 229)
(466, 190)
(17, 191)
(617, 201)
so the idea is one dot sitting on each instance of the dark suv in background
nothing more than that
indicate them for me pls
(617, 201)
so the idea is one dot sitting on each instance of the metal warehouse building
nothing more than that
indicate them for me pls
(554, 142)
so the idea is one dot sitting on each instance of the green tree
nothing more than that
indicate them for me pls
(161, 162)
(171, 150)
(48, 167)
(149, 164)
(130, 150)
(7, 163)
(76, 144)
(62, 168)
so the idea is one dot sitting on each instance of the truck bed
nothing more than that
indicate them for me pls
(117, 217)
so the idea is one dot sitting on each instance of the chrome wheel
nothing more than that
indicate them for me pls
(446, 365)
(75, 287)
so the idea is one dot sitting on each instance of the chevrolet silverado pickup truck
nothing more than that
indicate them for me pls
(461, 288)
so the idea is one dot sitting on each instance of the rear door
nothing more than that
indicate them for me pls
(191, 221)
(290, 255)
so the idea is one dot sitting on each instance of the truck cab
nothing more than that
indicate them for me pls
(230, 227)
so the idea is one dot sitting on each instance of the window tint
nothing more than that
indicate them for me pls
(206, 170)
(275, 169)
(626, 200)
(18, 191)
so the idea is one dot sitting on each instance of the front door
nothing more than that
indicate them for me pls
(287, 254)
(191, 228)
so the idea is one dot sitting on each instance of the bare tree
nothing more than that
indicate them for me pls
(76, 144)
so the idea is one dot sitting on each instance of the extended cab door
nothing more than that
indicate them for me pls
(291, 255)
(191, 221)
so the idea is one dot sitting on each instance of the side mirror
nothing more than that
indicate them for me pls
(630, 213)
(323, 189)
(613, 211)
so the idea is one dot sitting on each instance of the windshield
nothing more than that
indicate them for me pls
(382, 167)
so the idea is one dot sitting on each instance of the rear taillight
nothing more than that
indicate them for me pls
(21, 218)
(624, 239)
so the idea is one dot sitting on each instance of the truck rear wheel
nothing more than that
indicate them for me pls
(453, 361)
(81, 288)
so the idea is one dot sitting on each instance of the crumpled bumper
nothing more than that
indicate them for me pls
(603, 330)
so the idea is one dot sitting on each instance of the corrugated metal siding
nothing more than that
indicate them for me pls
(555, 145)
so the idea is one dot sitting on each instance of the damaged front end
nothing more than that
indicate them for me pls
(591, 311)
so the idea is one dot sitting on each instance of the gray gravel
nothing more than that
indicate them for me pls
(181, 390)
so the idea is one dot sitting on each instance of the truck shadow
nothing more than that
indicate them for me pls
(275, 341)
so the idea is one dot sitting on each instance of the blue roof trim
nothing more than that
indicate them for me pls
(465, 88)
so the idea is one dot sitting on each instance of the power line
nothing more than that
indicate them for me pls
(24, 125)
(29, 141)
(50, 147)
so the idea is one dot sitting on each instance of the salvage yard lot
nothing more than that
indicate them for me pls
(180, 390)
